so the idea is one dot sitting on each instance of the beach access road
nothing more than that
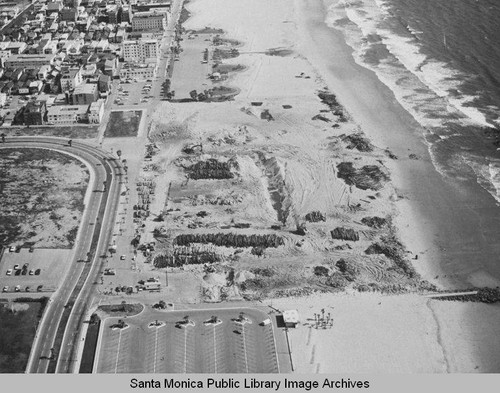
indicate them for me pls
(189, 341)
(46, 350)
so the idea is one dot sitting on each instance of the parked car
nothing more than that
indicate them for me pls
(25, 266)
(5, 288)
(16, 267)
(122, 258)
(31, 272)
(8, 272)
(37, 272)
(39, 288)
(28, 289)
(17, 288)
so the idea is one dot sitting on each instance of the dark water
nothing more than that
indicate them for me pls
(441, 59)
(466, 35)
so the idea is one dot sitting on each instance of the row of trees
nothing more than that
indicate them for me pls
(230, 240)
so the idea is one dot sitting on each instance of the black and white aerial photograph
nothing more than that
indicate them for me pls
(191, 188)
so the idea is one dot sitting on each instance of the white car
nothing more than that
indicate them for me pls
(5, 288)
(122, 258)
(9, 272)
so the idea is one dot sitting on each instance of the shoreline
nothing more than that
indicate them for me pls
(431, 203)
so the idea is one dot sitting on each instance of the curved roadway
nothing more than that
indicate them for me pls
(54, 344)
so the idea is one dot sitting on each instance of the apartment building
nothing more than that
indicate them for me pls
(85, 94)
(152, 20)
(70, 79)
(141, 51)
(67, 114)
(28, 61)
(96, 112)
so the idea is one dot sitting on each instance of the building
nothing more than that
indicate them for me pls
(67, 114)
(34, 113)
(152, 20)
(85, 94)
(150, 5)
(71, 79)
(72, 3)
(42, 45)
(68, 14)
(141, 51)
(104, 83)
(138, 71)
(114, 14)
(96, 112)
(291, 318)
(35, 87)
(43, 72)
(54, 6)
(28, 61)
(16, 48)
(4, 55)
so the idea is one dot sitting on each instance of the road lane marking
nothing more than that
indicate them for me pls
(215, 351)
(118, 350)
(244, 346)
(185, 350)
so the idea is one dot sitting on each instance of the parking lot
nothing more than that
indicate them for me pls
(191, 72)
(191, 341)
(50, 264)
(134, 93)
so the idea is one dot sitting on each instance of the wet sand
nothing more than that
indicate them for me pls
(451, 224)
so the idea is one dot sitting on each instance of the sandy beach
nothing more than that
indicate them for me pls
(296, 155)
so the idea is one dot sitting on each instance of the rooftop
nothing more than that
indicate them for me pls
(67, 109)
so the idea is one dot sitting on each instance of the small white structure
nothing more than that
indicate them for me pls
(291, 318)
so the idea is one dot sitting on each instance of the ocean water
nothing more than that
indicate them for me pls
(441, 59)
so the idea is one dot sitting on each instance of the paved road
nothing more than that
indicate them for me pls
(54, 348)
(97, 223)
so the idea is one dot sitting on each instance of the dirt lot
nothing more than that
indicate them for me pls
(52, 263)
(123, 124)
(230, 346)
(73, 132)
(41, 194)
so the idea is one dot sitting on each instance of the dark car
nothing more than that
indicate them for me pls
(39, 288)
(37, 272)
(28, 289)
(18, 272)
